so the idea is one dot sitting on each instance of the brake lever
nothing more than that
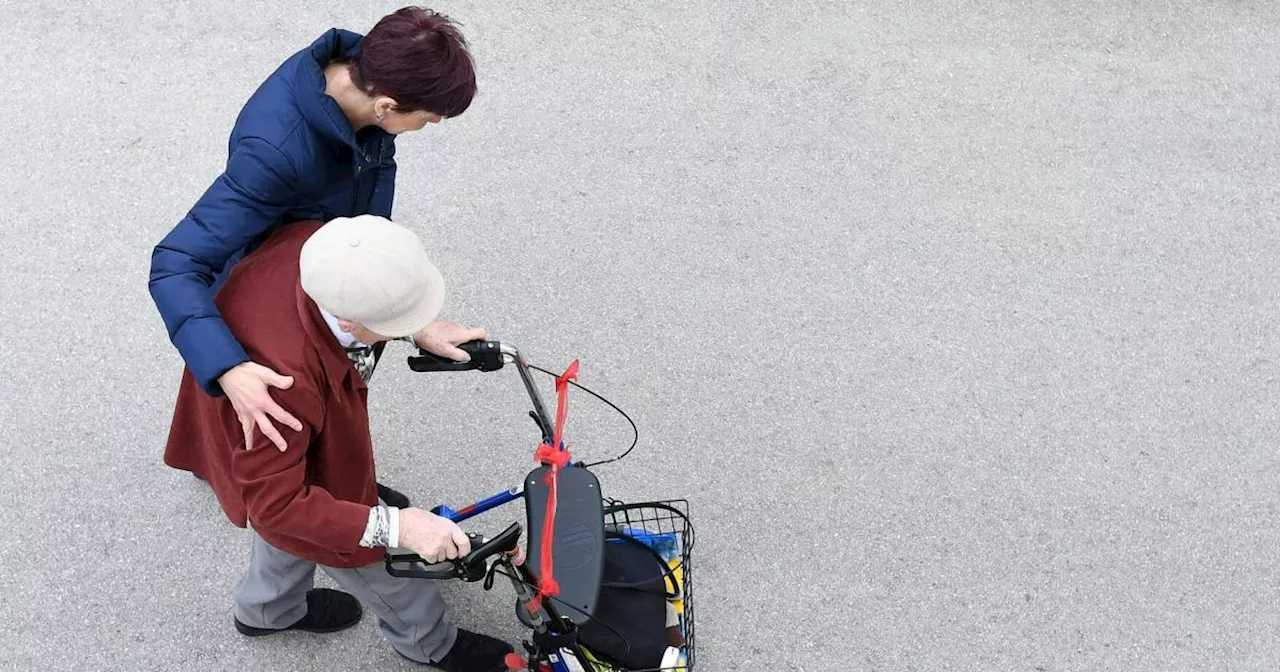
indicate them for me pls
(488, 577)
(412, 566)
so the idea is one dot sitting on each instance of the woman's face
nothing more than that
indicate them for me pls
(403, 122)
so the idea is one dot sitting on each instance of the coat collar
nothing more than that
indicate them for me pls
(319, 109)
(337, 369)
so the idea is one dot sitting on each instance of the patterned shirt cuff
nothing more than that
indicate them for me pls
(383, 528)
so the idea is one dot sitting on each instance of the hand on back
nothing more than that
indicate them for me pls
(246, 386)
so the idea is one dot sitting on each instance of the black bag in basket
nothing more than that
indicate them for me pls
(630, 620)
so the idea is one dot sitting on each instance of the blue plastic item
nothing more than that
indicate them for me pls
(667, 544)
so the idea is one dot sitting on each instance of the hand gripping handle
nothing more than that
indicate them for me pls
(485, 356)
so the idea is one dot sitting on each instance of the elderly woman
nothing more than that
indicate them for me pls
(315, 142)
(315, 301)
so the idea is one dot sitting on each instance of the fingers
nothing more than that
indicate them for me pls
(454, 543)
(281, 415)
(442, 338)
(268, 376)
(246, 424)
(449, 348)
(452, 352)
(253, 403)
(451, 547)
(445, 550)
(462, 541)
(269, 430)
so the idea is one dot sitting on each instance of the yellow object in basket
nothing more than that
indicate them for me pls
(678, 572)
(596, 665)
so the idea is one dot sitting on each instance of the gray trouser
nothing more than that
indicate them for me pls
(411, 612)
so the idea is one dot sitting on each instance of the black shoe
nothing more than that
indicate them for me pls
(473, 653)
(476, 653)
(327, 611)
(392, 498)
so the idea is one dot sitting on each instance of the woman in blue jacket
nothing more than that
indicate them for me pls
(314, 142)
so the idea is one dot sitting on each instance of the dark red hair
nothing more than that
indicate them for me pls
(417, 57)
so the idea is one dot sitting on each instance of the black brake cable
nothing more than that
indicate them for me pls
(611, 405)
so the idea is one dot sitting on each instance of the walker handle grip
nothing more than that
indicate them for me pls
(485, 356)
(469, 568)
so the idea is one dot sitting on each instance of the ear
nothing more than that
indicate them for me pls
(347, 326)
(383, 105)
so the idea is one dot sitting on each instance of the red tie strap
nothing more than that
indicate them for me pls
(515, 662)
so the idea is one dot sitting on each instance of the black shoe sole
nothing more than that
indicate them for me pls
(250, 631)
(415, 662)
(436, 666)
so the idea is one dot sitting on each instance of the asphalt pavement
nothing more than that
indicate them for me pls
(954, 322)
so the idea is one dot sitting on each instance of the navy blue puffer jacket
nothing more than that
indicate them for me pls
(292, 156)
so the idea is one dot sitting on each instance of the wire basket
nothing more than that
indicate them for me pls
(657, 523)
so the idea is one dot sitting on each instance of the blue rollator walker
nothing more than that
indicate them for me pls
(570, 529)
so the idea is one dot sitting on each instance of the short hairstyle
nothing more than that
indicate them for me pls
(419, 58)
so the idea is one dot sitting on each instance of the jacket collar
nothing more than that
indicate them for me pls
(318, 108)
(337, 369)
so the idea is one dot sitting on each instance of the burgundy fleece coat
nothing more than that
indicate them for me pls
(313, 499)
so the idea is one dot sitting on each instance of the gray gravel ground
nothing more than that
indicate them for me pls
(954, 321)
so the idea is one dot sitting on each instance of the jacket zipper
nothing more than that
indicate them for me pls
(355, 189)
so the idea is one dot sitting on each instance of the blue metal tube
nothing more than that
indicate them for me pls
(486, 504)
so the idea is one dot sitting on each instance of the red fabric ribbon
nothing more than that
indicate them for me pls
(515, 662)
(550, 456)
(556, 457)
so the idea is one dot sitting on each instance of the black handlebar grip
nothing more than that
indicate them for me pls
(482, 549)
(469, 568)
(485, 356)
